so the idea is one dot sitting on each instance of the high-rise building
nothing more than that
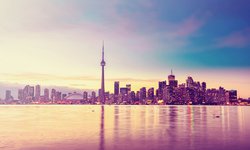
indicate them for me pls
(58, 96)
(28, 93)
(171, 80)
(143, 93)
(171, 77)
(151, 93)
(53, 94)
(46, 94)
(102, 92)
(93, 95)
(198, 84)
(99, 93)
(128, 86)
(221, 95)
(116, 88)
(190, 82)
(124, 91)
(233, 95)
(107, 95)
(203, 86)
(20, 94)
(32, 91)
(162, 85)
(137, 95)
(157, 93)
(85, 95)
(166, 94)
(132, 96)
(38, 92)
(8, 96)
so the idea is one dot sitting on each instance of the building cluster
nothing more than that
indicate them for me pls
(34, 95)
(167, 93)
(191, 92)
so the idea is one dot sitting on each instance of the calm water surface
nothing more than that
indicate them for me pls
(124, 127)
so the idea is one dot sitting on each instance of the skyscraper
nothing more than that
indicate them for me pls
(233, 95)
(116, 88)
(32, 92)
(171, 80)
(190, 82)
(20, 94)
(37, 92)
(8, 95)
(58, 96)
(102, 92)
(143, 94)
(128, 86)
(46, 94)
(124, 91)
(171, 77)
(28, 93)
(85, 95)
(162, 85)
(53, 94)
(204, 86)
(151, 93)
(93, 96)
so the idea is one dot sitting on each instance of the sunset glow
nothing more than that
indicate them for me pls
(58, 43)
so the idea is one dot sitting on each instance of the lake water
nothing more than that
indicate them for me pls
(68, 127)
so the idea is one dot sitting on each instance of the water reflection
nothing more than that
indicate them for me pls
(124, 127)
(102, 136)
(172, 126)
(116, 126)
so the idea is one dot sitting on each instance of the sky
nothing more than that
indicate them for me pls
(58, 43)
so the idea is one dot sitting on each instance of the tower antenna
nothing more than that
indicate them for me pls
(103, 63)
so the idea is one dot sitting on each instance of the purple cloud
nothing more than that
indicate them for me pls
(237, 39)
(188, 27)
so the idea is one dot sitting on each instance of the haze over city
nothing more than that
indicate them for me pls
(119, 74)
(58, 43)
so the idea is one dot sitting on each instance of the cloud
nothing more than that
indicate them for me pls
(238, 39)
(136, 25)
(190, 26)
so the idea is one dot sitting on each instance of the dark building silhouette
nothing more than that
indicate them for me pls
(161, 86)
(116, 88)
(151, 93)
(143, 94)
(124, 91)
(233, 96)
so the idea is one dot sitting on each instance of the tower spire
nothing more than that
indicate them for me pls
(171, 71)
(103, 50)
(103, 63)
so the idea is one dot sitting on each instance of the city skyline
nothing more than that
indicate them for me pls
(57, 43)
(115, 88)
(168, 92)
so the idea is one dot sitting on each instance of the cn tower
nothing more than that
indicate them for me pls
(103, 63)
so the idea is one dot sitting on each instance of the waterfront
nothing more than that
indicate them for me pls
(106, 127)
